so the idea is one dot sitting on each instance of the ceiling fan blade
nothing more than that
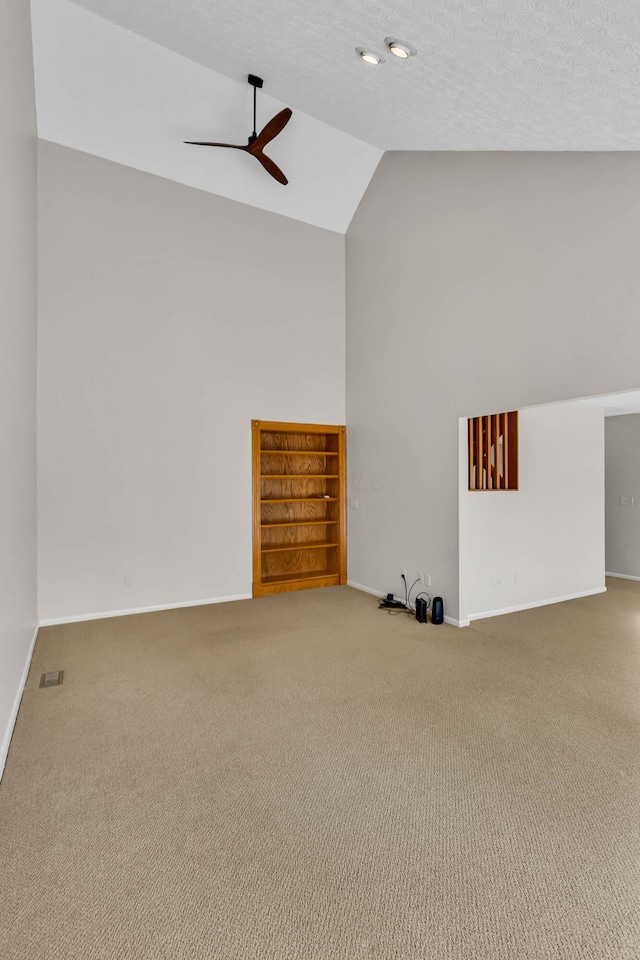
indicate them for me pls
(204, 143)
(270, 167)
(271, 130)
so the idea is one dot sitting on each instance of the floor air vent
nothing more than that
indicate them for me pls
(53, 679)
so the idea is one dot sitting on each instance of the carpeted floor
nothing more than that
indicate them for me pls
(304, 777)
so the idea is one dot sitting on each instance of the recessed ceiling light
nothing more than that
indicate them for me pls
(400, 48)
(369, 56)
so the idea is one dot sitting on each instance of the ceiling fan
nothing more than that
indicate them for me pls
(257, 141)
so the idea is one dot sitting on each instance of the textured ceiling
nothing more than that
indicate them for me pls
(489, 75)
(617, 404)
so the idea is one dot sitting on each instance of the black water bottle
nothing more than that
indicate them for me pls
(437, 610)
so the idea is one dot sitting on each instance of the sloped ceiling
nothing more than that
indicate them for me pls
(130, 81)
(489, 74)
(109, 92)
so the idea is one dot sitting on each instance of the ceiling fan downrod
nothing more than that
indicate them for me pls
(255, 83)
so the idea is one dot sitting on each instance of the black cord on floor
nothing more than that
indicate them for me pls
(408, 608)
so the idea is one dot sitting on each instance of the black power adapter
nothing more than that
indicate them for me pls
(421, 610)
(390, 603)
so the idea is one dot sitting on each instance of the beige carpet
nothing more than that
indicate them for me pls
(306, 777)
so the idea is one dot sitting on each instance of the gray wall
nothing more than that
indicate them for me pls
(168, 319)
(475, 283)
(622, 481)
(17, 357)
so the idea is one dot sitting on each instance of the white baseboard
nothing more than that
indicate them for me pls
(456, 623)
(381, 594)
(374, 593)
(6, 740)
(621, 576)
(536, 603)
(78, 618)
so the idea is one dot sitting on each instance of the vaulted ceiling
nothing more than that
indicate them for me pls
(107, 91)
(489, 74)
(130, 81)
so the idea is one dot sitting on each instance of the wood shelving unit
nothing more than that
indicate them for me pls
(299, 506)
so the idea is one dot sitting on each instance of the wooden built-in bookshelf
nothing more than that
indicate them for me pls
(299, 507)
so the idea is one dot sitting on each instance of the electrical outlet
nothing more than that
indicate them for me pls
(425, 579)
(496, 581)
(625, 501)
(128, 581)
(353, 504)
